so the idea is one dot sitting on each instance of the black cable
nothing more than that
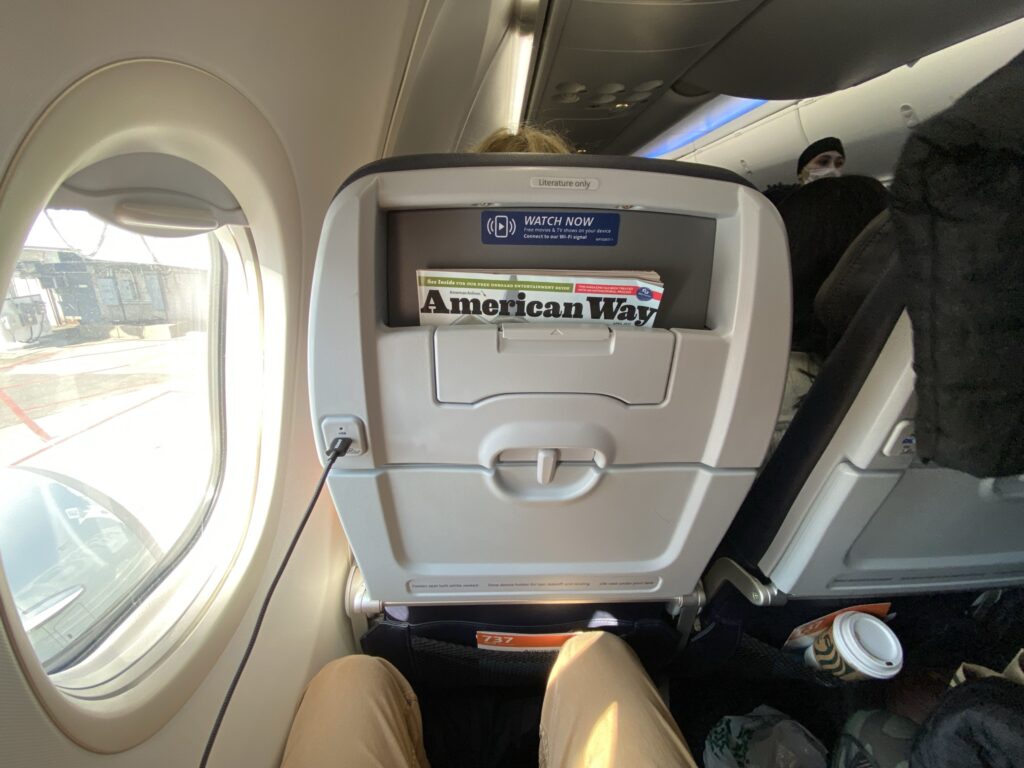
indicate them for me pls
(338, 448)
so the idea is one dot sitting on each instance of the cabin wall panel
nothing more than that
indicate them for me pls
(326, 75)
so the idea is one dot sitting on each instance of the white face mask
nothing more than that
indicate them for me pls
(813, 174)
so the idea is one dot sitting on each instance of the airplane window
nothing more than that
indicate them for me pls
(109, 434)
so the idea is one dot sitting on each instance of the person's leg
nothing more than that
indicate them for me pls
(601, 709)
(358, 712)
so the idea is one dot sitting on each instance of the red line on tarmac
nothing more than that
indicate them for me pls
(23, 417)
(87, 398)
(65, 438)
(31, 359)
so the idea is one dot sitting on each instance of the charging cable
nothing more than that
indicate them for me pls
(338, 448)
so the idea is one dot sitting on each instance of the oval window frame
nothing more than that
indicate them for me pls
(135, 106)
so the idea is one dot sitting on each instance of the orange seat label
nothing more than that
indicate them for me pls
(516, 641)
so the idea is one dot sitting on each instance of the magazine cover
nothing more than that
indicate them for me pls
(457, 297)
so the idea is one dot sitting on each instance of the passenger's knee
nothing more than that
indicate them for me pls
(355, 670)
(594, 648)
(595, 640)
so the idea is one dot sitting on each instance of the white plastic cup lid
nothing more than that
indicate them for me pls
(868, 645)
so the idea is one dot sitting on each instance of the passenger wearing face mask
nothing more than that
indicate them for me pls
(823, 159)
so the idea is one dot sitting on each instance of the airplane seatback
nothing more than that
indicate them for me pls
(513, 461)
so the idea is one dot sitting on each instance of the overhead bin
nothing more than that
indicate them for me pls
(511, 461)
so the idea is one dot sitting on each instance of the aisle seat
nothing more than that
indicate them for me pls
(902, 470)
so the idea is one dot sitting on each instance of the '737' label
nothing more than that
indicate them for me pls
(516, 641)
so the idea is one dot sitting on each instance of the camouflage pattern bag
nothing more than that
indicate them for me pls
(765, 738)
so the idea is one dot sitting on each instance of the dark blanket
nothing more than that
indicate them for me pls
(979, 724)
(958, 211)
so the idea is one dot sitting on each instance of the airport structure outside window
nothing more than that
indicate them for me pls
(110, 421)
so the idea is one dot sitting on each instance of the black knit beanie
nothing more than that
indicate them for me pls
(828, 144)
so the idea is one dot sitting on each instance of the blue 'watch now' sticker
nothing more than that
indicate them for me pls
(549, 228)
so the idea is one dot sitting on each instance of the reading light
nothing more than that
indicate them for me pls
(523, 49)
(526, 20)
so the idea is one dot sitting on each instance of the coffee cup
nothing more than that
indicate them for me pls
(857, 647)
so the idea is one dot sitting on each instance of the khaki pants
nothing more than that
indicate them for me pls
(600, 709)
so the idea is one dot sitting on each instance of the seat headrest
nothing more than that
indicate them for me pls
(822, 219)
(958, 214)
(858, 271)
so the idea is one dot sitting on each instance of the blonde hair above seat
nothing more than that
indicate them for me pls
(526, 139)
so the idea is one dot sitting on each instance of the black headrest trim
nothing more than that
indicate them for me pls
(541, 160)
